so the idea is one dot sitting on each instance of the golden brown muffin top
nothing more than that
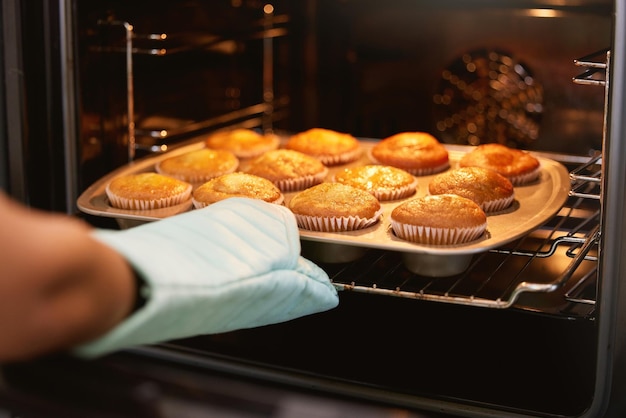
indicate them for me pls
(237, 185)
(507, 161)
(147, 186)
(282, 164)
(242, 142)
(440, 211)
(321, 142)
(476, 183)
(198, 165)
(410, 150)
(375, 177)
(333, 200)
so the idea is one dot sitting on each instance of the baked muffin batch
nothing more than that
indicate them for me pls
(245, 163)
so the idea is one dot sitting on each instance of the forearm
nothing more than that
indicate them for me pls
(59, 287)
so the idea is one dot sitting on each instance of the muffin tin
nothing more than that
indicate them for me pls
(534, 204)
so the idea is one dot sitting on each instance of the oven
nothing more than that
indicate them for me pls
(532, 327)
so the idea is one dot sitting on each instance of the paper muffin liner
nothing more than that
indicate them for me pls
(525, 178)
(199, 205)
(343, 158)
(140, 204)
(498, 204)
(397, 193)
(336, 223)
(301, 183)
(437, 236)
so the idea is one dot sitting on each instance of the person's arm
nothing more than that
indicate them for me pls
(65, 286)
(58, 286)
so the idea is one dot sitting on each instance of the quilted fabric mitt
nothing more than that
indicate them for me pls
(232, 265)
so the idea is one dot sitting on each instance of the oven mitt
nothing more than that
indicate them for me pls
(232, 265)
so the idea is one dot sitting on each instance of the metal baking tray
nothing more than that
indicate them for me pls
(534, 204)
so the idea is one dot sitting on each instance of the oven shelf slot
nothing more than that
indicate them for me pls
(596, 72)
(575, 294)
(586, 179)
(596, 65)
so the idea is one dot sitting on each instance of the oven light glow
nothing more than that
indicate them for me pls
(543, 13)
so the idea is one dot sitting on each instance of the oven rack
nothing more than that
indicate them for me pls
(158, 139)
(499, 278)
(162, 44)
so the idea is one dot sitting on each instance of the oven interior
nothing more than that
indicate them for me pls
(516, 331)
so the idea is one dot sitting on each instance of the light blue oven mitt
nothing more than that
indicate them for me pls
(232, 265)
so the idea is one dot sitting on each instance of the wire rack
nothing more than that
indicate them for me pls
(552, 270)
(158, 133)
(556, 263)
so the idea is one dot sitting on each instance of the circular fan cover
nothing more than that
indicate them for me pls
(487, 96)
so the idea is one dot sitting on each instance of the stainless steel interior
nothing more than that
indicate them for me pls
(531, 328)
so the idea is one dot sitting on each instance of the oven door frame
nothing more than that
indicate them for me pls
(39, 135)
(59, 117)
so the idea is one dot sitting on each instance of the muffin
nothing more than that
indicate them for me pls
(330, 147)
(419, 153)
(244, 143)
(445, 219)
(490, 190)
(198, 166)
(145, 191)
(236, 185)
(518, 166)
(289, 170)
(335, 207)
(382, 181)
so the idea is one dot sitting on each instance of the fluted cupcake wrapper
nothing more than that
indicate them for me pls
(497, 205)
(335, 223)
(437, 236)
(141, 204)
(343, 158)
(395, 194)
(522, 179)
(301, 183)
